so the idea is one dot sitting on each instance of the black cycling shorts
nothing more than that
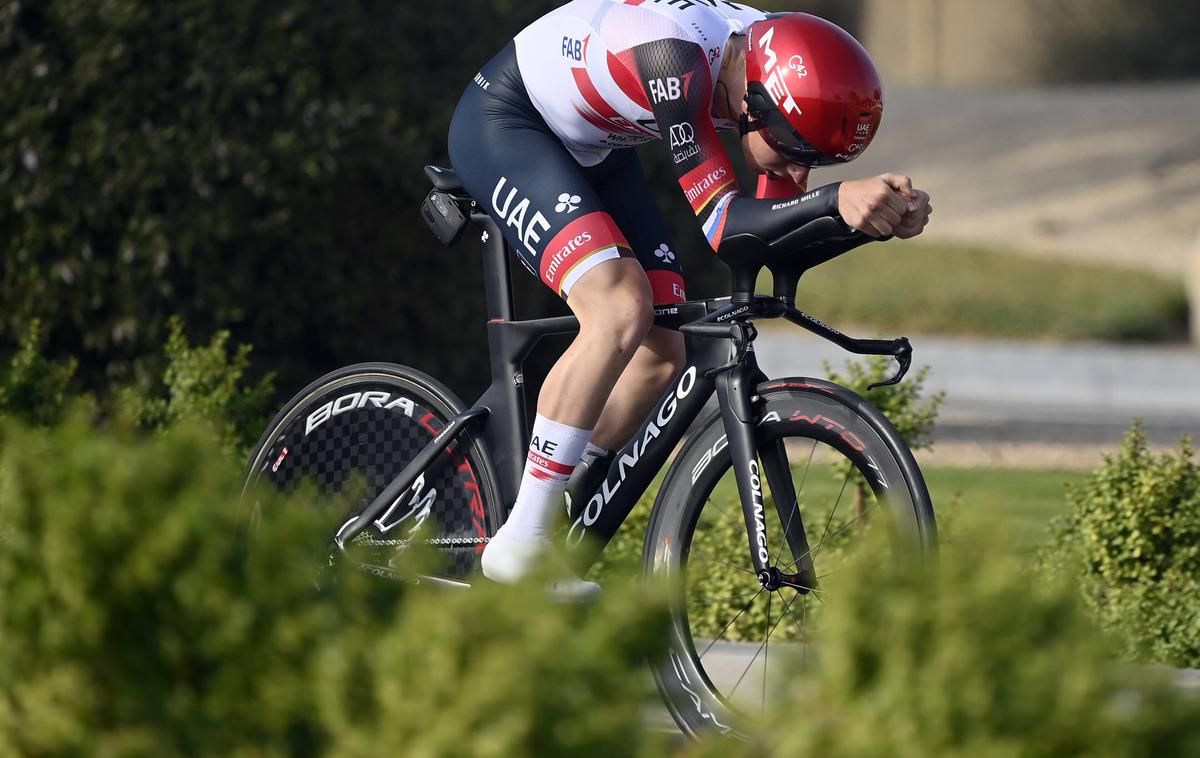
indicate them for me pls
(561, 218)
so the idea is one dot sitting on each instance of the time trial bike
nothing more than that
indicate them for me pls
(790, 453)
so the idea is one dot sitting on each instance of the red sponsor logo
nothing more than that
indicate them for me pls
(702, 183)
(549, 465)
(666, 286)
(579, 239)
(830, 425)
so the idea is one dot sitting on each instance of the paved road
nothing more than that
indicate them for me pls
(997, 391)
(1105, 173)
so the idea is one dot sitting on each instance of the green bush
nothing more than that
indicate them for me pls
(135, 621)
(204, 384)
(496, 672)
(975, 657)
(251, 165)
(1132, 544)
(34, 388)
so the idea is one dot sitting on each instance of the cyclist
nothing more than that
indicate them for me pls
(543, 138)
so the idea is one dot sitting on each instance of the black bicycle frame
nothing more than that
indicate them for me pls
(720, 359)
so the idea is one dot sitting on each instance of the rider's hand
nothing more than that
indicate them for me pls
(883, 205)
(916, 217)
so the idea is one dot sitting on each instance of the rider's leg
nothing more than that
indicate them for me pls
(622, 187)
(545, 202)
(613, 303)
(657, 361)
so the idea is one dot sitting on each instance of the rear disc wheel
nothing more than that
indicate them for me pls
(350, 434)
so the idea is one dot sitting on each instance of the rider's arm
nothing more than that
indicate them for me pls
(676, 77)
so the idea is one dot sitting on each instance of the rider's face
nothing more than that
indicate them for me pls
(762, 156)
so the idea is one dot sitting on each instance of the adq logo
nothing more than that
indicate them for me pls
(682, 134)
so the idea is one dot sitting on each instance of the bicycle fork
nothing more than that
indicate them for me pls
(736, 396)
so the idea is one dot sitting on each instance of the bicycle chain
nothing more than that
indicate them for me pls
(438, 541)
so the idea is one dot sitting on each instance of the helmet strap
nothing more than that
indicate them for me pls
(746, 124)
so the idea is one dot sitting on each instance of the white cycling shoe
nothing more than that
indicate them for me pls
(508, 561)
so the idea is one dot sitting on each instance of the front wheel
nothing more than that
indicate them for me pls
(351, 432)
(846, 469)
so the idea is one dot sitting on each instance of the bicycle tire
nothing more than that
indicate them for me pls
(360, 425)
(791, 409)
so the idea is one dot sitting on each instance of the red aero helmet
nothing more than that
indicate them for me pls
(814, 91)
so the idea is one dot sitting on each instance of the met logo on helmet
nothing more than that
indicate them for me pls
(773, 77)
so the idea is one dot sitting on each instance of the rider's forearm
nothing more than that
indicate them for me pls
(809, 225)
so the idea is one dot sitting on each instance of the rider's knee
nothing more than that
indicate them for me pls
(616, 305)
(630, 316)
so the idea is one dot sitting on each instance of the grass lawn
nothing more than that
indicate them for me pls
(1019, 502)
(919, 287)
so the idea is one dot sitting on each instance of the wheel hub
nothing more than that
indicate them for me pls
(772, 579)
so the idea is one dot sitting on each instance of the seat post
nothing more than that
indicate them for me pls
(497, 278)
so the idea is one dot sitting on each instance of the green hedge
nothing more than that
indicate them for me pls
(138, 620)
(252, 165)
(1132, 543)
(974, 657)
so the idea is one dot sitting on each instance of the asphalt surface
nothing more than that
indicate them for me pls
(1035, 393)
(1105, 173)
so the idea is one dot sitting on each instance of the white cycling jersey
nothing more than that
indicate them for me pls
(578, 66)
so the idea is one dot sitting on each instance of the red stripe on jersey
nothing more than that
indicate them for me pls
(585, 235)
(549, 465)
(614, 122)
(593, 119)
(539, 474)
(622, 66)
(591, 95)
(634, 2)
(666, 286)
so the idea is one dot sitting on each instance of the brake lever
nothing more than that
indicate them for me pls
(902, 352)
(742, 333)
(742, 341)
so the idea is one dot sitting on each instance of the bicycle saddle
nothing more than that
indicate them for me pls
(444, 179)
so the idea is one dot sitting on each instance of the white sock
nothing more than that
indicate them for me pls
(553, 452)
